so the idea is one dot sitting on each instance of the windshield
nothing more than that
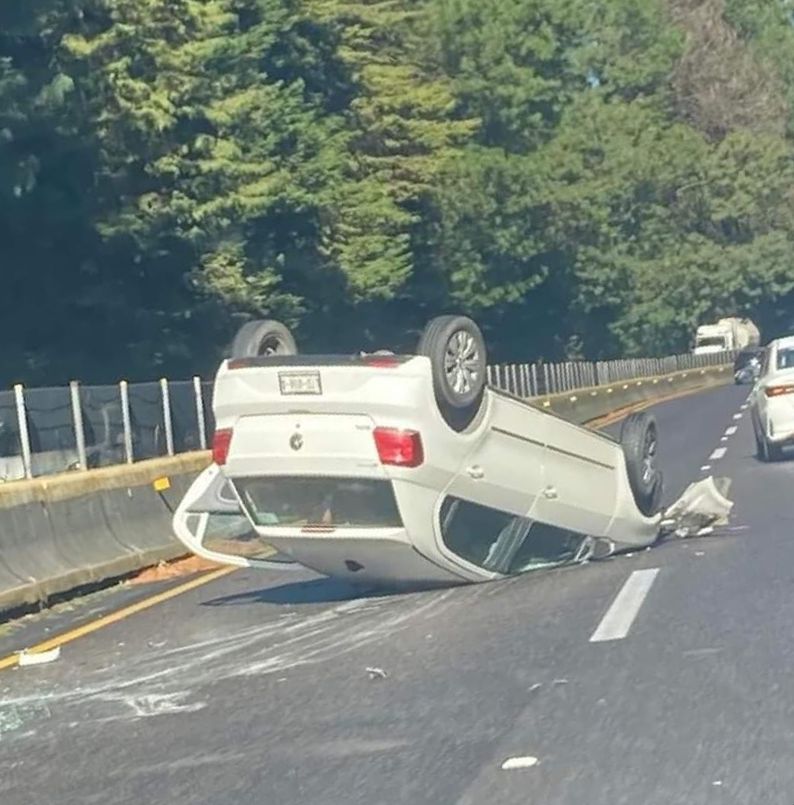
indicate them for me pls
(339, 502)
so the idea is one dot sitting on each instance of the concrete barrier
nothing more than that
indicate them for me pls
(588, 405)
(60, 532)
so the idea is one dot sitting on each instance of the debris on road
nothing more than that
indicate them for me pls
(185, 566)
(520, 762)
(376, 673)
(38, 657)
(703, 505)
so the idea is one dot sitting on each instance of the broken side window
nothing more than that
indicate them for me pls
(503, 542)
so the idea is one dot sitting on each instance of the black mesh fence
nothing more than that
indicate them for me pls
(209, 415)
(184, 417)
(53, 445)
(11, 466)
(103, 425)
(146, 421)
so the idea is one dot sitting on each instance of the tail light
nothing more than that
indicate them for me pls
(778, 391)
(399, 448)
(381, 361)
(220, 445)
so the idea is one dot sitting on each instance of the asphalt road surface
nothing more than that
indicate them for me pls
(255, 688)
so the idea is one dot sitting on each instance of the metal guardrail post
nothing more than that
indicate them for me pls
(125, 418)
(22, 425)
(169, 426)
(77, 419)
(202, 421)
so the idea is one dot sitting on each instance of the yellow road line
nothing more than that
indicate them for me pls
(114, 617)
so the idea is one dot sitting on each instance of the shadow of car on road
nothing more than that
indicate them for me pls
(311, 591)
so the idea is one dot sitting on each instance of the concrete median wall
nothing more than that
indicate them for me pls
(587, 406)
(61, 532)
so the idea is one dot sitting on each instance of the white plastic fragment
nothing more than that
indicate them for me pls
(520, 762)
(376, 673)
(38, 657)
(703, 505)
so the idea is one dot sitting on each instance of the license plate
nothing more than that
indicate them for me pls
(300, 383)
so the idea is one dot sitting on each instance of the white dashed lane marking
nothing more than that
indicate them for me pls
(737, 416)
(705, 468)
(718, 453)
(731, 430)
(620, 616)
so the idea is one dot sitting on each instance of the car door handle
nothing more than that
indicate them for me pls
(550, 492)
(476, 472)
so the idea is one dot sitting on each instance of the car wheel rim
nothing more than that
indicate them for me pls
(649, 458)
(462, 362)
(270, 346)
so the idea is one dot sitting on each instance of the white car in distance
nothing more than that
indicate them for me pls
(408, 469)
(772, 400)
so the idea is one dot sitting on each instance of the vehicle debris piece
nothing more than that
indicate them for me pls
(376, 673)
(703, 505)
(38, 657)
(520, 762)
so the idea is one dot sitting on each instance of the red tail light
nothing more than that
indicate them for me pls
(220, 445)
(381, 361)
(777, 391)
(400, 448)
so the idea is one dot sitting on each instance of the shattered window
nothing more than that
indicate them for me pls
(502, 542)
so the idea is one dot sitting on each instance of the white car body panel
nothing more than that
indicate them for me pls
(774, 416)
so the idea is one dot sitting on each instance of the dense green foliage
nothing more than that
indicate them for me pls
(585, 178)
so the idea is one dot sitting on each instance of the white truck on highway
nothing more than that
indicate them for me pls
(726, 335)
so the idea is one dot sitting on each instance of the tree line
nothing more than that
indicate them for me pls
(586, 178)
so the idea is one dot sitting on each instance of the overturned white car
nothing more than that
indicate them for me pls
(410, 470)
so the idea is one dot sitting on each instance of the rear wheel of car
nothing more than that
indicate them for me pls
(266, 337)
(456, 349)
(639, 438)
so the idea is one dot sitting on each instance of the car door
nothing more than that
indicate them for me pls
(580, 474)
(504, 469)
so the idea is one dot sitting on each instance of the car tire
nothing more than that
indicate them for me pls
(262, 338)
(456, 348)
(639, 438)
(769, 452)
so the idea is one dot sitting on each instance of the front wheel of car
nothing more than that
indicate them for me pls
(457, 353)
(639, 438)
